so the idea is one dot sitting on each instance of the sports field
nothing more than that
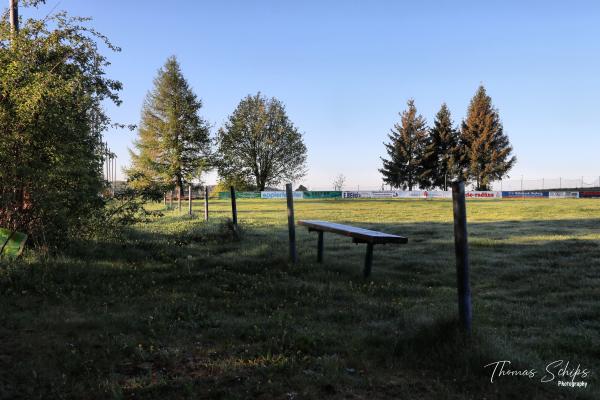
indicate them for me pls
(178, 308)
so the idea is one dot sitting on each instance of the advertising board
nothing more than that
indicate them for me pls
(279, 195)
(520, 195)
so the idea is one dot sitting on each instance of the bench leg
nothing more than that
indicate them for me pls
(320, 247)
(368, 260)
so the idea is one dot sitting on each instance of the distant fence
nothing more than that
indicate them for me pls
(414, 194)
(582, 183)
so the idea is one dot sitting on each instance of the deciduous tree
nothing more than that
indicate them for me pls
(260, 144)
(52, 85)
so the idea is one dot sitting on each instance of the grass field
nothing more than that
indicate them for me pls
(178, 308)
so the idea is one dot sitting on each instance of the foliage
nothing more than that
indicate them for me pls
(260, 144)
(173, 145)
(441, 153)
(486, 151)
(224, 185)
(52, 86)
(406, 150)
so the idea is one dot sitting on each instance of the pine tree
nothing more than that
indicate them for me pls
(173, 145)
(441, 153)
(486, 150)
(406, 149)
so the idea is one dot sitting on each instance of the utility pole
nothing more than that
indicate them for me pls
(14, 16)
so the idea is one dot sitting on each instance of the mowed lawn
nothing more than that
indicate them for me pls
(179, 308)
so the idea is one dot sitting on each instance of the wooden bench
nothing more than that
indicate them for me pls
(358, 235)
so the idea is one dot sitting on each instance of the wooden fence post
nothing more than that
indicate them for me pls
(291, 227)
(190, 200)
(233, 208)
(205, 203)
(461, 248)
(179, 193)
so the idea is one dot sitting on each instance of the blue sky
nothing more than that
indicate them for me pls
(345, 69)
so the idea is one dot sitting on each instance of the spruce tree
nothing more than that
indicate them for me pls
(441, 153)
(405, 150)
(173, 145)
(485, 149)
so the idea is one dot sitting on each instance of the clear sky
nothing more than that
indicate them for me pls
(345, 69)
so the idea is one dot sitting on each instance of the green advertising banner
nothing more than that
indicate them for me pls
(240, 195)
(11, 243)
(323, 195)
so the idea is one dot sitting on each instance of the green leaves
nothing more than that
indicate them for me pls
(260, 144)
(52, 87)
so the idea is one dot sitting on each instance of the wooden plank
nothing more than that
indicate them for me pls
(364, 235)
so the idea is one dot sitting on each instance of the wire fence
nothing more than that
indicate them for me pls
(560, 183)
(514, 184)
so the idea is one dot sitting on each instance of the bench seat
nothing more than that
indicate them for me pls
(358, 235)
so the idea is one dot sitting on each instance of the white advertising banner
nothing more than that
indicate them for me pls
(483, 195)
(563, 195)
(383, 195)
(280, 195)
(437, 195)
(420, 194)
(357, 195)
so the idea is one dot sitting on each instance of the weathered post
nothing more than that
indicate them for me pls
(165, 199)
(233, 208)
(205, 203)
(190, 200)
(171, 200)
(320, 247)
(461, 249)
(291, 227)
(179, 194)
